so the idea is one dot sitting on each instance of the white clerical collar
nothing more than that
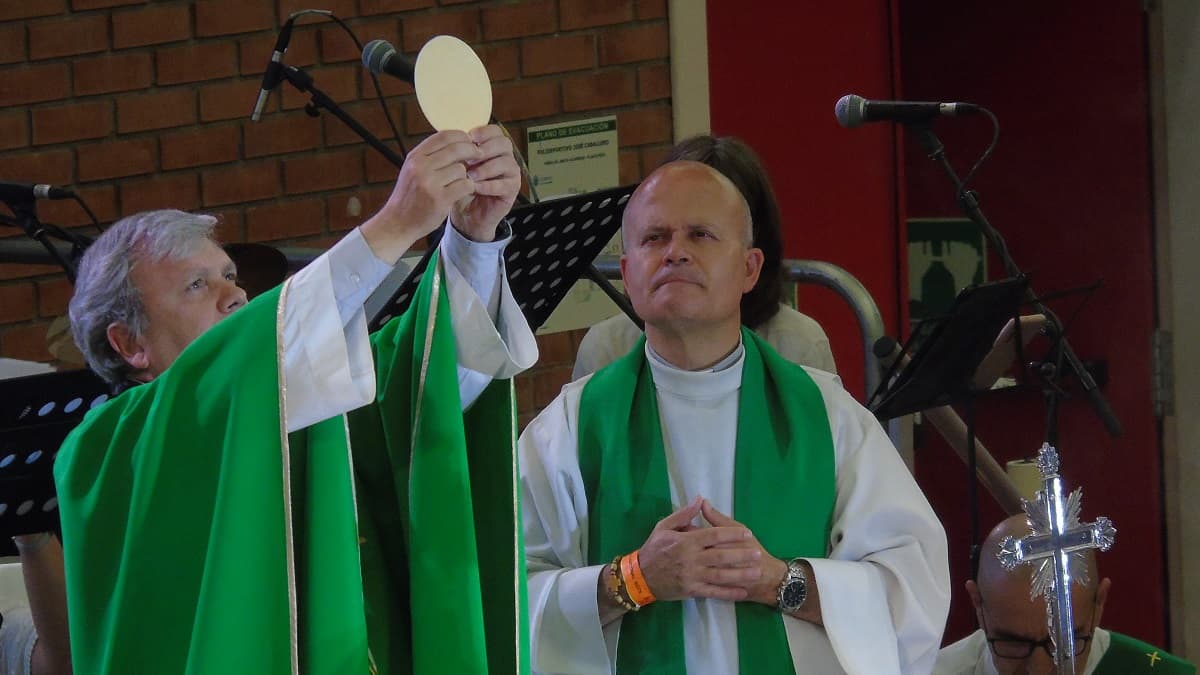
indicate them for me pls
(720, 378)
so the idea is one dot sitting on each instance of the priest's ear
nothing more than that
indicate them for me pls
(1101, 598)
(125, 343)
(976, 601)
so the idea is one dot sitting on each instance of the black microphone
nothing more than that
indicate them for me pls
(271, 77)
(381, 58)
(26, 192)
(852, 110)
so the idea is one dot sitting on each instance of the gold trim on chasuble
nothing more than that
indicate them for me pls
(518, 553)
(293, 621)
(287, 487)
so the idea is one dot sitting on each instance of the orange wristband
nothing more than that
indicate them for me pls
(635, 582)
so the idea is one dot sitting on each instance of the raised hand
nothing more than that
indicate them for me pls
(681, 561)
(433, 179)
(496, 178)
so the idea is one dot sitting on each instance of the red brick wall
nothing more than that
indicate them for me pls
(144, 105)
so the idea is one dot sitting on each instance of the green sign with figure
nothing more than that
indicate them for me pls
(945, 255)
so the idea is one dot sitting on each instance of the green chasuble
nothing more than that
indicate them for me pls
(783, 490)
(1130, 656)
(199, 538)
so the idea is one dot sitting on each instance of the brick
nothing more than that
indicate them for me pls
(346, 211)
(198, 147)
(520, 19)
(368, 7)
(12, 43)
(461, 24)
(379, 169)
(28, 9)
(244, 183)
(370, 115)
(78, 5)
(644, 126)
(17, 302)
(651, 9)
(209, 60)
(599, 90)
(547, 382)
(115, 72)
(230, 225)
(164, 191)
(161, 109)
(48, 166)
(414, 120)
(26, 342)
(279, 134)
(339, 83)
(342, 9)
(336, 46)
(524, 387)
(326, 171)
(501, 61)
(270, 222)
(555, 348)
(74, 122)
(68, 37)
(653, 156)
(153, 25)
(53, 297)
(574, 14)
(114, 159)
(255, 52)
(558, 54)
(31, 84)
(226, 17)
(102, 199)
(643, 42)
(654, 82)
(229, 100)
(14, 129)
(629, 168)
(390, 86)
(526, 99)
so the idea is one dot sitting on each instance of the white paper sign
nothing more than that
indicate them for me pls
(573, 158)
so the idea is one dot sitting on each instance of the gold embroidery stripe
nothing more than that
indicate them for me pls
(434, 296)
(518, 558)
(293, 613)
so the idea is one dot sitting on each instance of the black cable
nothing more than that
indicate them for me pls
(986, 153)
(374, 78)
(91, 215)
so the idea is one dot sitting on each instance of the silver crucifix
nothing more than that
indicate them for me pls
(1056, 547)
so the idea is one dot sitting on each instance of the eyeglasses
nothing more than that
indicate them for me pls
(1016, 648)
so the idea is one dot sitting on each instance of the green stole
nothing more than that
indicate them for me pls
(783, 490)
(199, 538)
(1130, 656)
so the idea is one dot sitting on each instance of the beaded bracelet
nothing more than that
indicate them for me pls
(616, 586)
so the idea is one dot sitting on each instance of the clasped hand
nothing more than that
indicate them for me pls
(723, 562)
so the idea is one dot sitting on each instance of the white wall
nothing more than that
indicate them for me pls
(1175, 92)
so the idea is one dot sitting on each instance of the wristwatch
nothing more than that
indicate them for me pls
(793, 590)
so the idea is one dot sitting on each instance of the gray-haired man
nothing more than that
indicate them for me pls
(201, 534)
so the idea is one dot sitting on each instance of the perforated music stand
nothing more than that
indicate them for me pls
(554, 243)
(36, 414)
(950, 349)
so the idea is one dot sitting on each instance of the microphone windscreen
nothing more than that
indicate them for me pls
(375, 53)
(849, 110)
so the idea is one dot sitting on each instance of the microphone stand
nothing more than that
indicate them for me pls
(304, 82)
(27, 220)
(969, 203)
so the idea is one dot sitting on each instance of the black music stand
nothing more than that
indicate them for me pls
(36, 414)
(950, 350)
(554, 244)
